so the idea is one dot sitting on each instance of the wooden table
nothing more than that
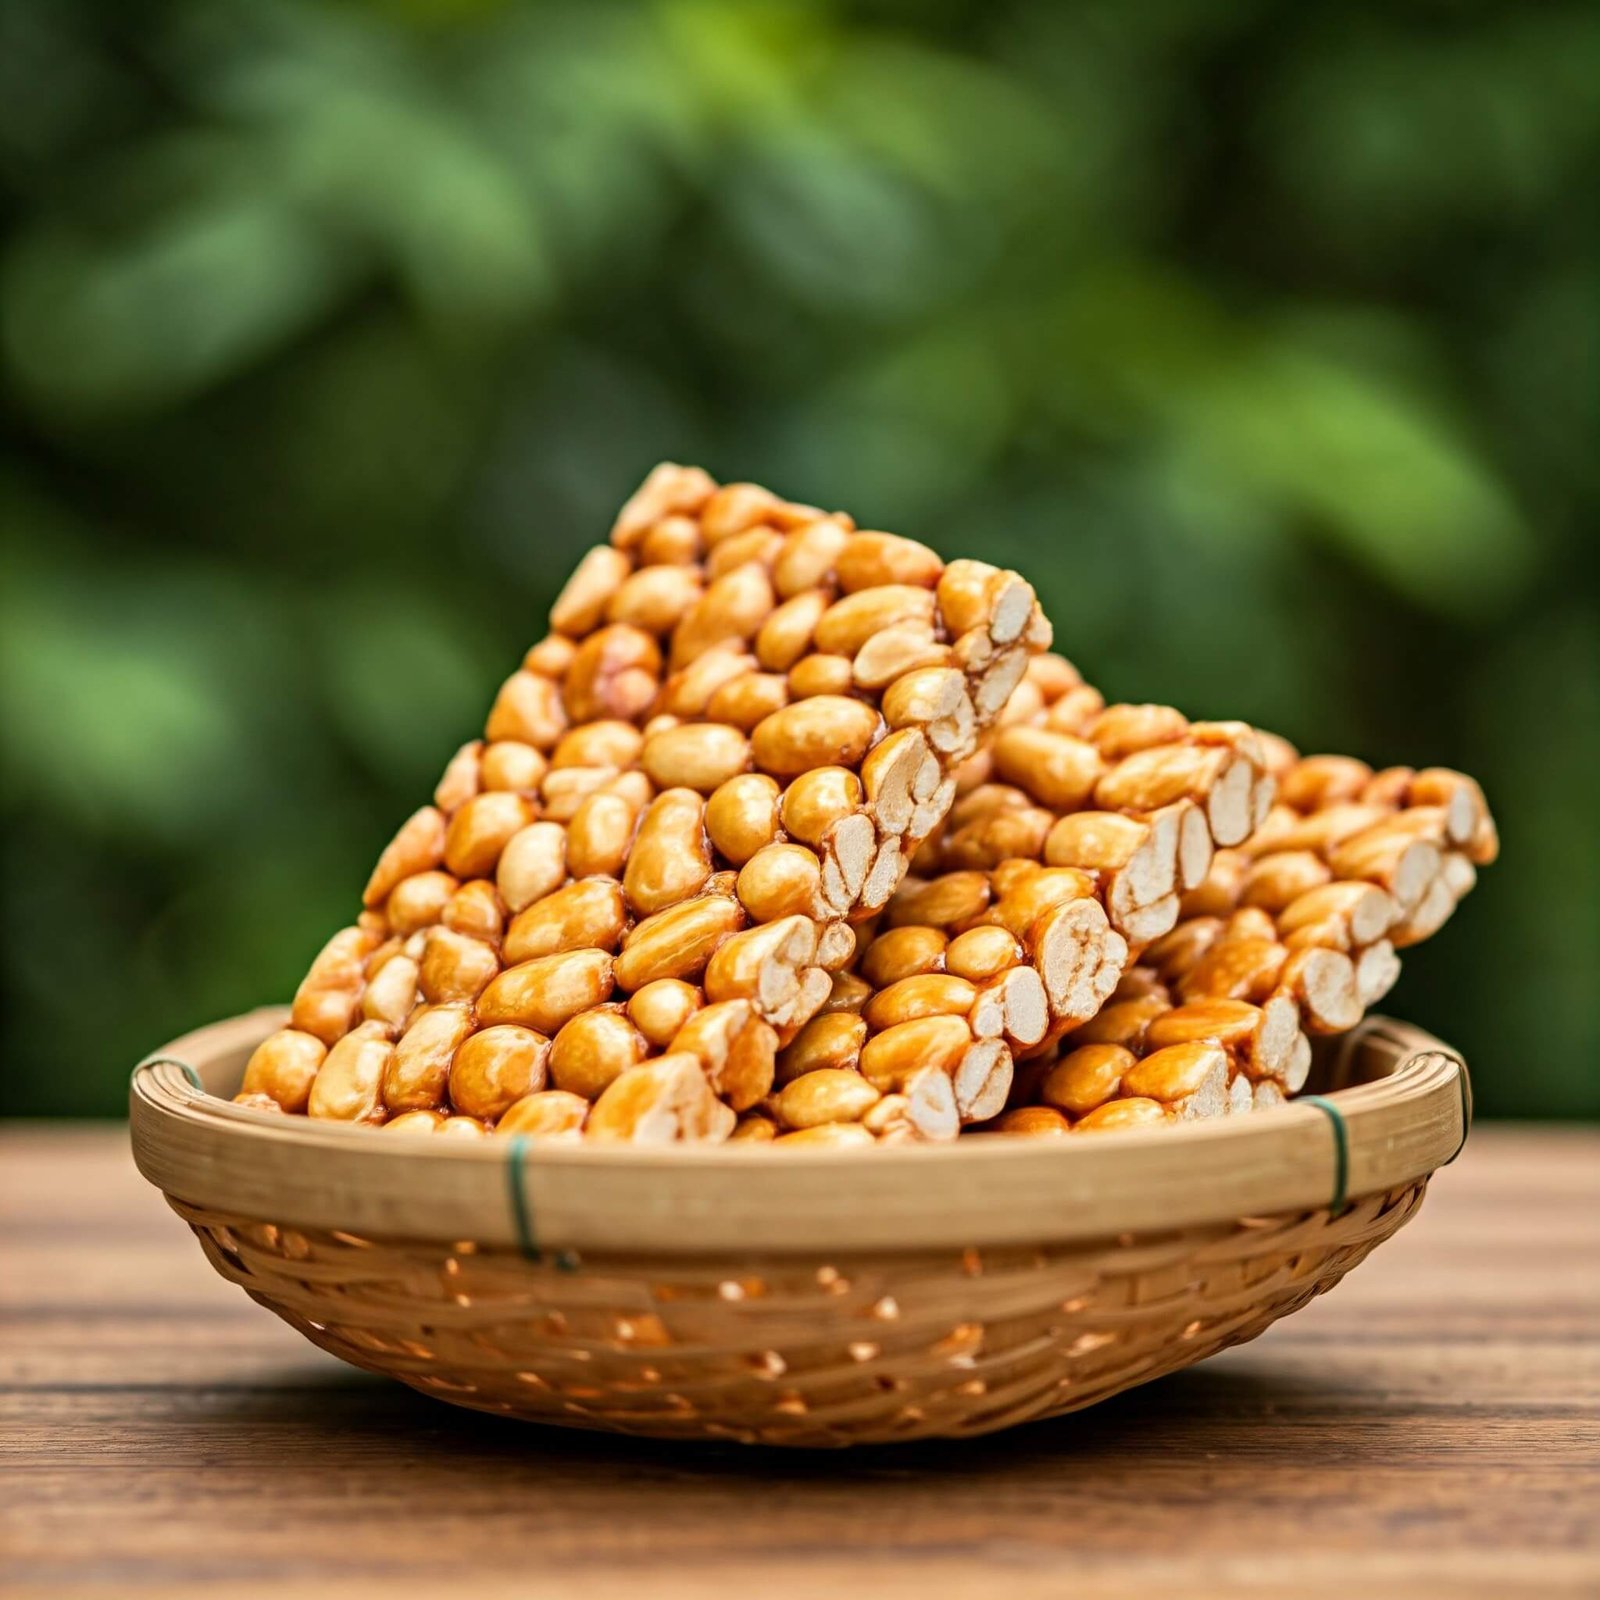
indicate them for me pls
(1431, 1428)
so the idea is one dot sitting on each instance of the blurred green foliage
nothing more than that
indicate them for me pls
(1265, 337)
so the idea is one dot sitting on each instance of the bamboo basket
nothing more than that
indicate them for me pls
(795, 1297)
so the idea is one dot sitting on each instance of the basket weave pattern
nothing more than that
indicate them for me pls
(774, 1350)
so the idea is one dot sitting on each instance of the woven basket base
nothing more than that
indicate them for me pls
(794, 1351)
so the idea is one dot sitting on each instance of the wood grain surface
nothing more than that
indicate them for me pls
(1432, 1427)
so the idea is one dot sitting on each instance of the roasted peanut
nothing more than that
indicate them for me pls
(808, 555)
(481, 829)
(891, 1056)
(1191, 1078)
(965, 593)
(949, 901)
(419, 902)
(935, 700)
(695, 755)
(670, 859)
(822, 731)
(348, 1083)
(1236, 969)
(593, 1049)
(744, 701)
(598, 836)
(929, 1108)
(283, 1067)
(826, 1095)
(1124, 1022)
(741, 817)
(757, 545)
(849, 993)
(391, 993)
(847, 1135)
(546, 993)
(606, 743)
(460, 1127)
(927, 994)
(454, 966)
(582, 602)
(780, 880)
(1363, 911)
(904, 952)
(981, 953)
(1057, 770)
(688, 693)
(1120, 730)
(527, 710)
(668, 490)
(551, 657)
(496, 1067)
(418, 847)
(674, 541)
(655, 597)
(1033, 1122)
(1276, 881)
(769, 965)
(677, 942)
(586, 915)
(816, 800)
(850, 622)
(869, 560)
(785, 637)
(546, 1114)
(1315, 782)
(417, 1073)
(461, 778)
(1225, 1021)
(831, 1041)
(660, 1102)
(510, 764)
(1086, 1077)
(1119, 1114)
(732, 609)
(904, 784)
(736, 1048)
(615, 673)
(476, 909)
(659, 1009)
(1324, 985)
(329, 997)
(415, 1122)
(820, 674)
(895, 653)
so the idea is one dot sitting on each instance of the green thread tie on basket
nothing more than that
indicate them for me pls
(169, 1061)
(1341, 1149)
(522, 1212)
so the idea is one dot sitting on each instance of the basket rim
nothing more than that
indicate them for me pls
(1409, 1118)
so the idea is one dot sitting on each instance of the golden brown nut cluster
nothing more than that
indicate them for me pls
(789, 832)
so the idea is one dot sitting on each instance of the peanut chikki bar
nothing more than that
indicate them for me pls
(640, 883)
(1291, 933)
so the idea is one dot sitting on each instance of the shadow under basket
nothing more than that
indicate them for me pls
(795, 1297)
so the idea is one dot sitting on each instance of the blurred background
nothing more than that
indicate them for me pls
(1264, 337)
